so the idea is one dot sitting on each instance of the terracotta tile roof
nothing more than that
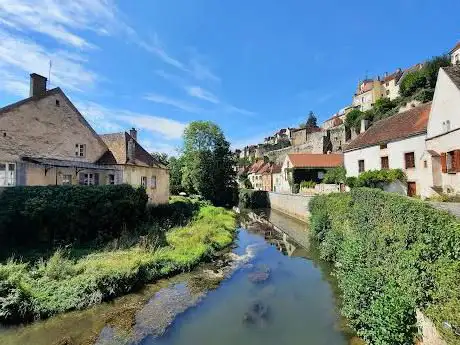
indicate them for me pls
(312, 160)
(256, 167)
(396, 75)
(265, 169)
(400, 126)
(118, 154)
(276, 169)
(454, 74)
(457, 46)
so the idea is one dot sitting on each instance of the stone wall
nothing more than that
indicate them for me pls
(451, 207)
(292, 204)
(430, 335)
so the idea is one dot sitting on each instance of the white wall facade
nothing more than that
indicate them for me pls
(443, 133)
(364, 100)
(391, 89)
(395, 152)
(455, 57)
(284, 180)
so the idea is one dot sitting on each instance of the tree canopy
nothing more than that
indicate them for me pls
(312, 121)
(208, 163)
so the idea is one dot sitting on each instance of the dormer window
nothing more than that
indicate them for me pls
(80, 150)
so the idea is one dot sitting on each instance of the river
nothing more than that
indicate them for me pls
(266, 290)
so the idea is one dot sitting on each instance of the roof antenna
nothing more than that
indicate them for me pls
(49, 75)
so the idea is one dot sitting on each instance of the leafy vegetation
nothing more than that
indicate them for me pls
(207, 167)
(54, 215)
(392, 255)
(175, 175)
(335, 175)
(312, 121)
(250, 198)
(307, 184)
(378, 178)
(37, 290)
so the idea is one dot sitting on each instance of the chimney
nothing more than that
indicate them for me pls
(133, 133)
(131, 150)
(364, 125)
(37, 85)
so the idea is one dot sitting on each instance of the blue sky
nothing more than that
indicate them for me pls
(250, 66)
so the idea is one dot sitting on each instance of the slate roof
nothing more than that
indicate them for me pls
(313, 160)
(396, 75)
(118, 151)
(400, 126)
(454, 74)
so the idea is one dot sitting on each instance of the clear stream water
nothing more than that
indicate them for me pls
(273, 292)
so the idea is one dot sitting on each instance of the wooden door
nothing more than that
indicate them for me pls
(411, 189)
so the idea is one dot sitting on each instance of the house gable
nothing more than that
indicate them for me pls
(446, 104)
(49, 126)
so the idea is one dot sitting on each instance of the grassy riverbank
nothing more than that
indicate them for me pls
(392, 255)
(38, 290)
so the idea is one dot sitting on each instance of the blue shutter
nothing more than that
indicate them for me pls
(21, 170)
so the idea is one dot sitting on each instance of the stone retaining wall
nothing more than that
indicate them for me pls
(451, 207)
(294, 205)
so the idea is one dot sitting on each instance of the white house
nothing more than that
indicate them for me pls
(455, 55)
(443, 133)
(397, 142)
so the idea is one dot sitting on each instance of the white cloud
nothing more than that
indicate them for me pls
(153, 97)
(198, 92)
(156, 47)
(106, 119)
(154, 146)
(233, 109)
(19, 57)
(57, 19)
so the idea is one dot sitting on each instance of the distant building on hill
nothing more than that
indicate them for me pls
(455, 54)
(367, 93)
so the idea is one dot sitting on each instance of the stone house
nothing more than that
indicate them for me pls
(397, 142)
(442, 158)
(270, 177)
(455, 54)
(138, 167)
(390, 84)
(45, 140)
(253, 174)
(298, 167)
(367, 93)
(314, 136)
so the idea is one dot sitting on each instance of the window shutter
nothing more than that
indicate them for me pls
(96, 179)
(21, 169)
(444, 162)
(457, 160)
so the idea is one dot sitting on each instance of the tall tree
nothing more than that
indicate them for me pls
(161, 157)
(208, 163)
(312, 121)
(175, 174)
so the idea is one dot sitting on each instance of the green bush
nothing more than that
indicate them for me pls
(392, 255)
(379, 178)
(55, 215)
(307, 184)
(335, 175)
(250, 198)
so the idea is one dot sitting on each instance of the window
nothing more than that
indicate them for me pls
(387, 84)
(66, 179)
(144, 181)
(384, 162)
(383, 146)
(388, 92)
(80, 150)
(361, 165)
(89, 179)
(409, 159)
(447, 125)
(111, 179)
(153, 182)
(450, 161)
(58, 104)
(425, 163)
(7, 174)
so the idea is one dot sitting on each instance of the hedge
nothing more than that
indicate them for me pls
(392, 255)
(250, 198)
(54, 215)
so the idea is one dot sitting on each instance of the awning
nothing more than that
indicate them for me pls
(58, 163)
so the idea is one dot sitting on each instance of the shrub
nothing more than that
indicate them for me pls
(250, 198)
(412, 82)
(307, 184)
(392, 255)
(335, 175)
(380, 178)
(52, 215)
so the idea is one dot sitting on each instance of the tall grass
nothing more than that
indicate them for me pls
(59, 284)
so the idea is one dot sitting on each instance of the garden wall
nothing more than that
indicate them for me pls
(292, 204)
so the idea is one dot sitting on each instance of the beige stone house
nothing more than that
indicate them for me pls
(138, 167)
(45, 140)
